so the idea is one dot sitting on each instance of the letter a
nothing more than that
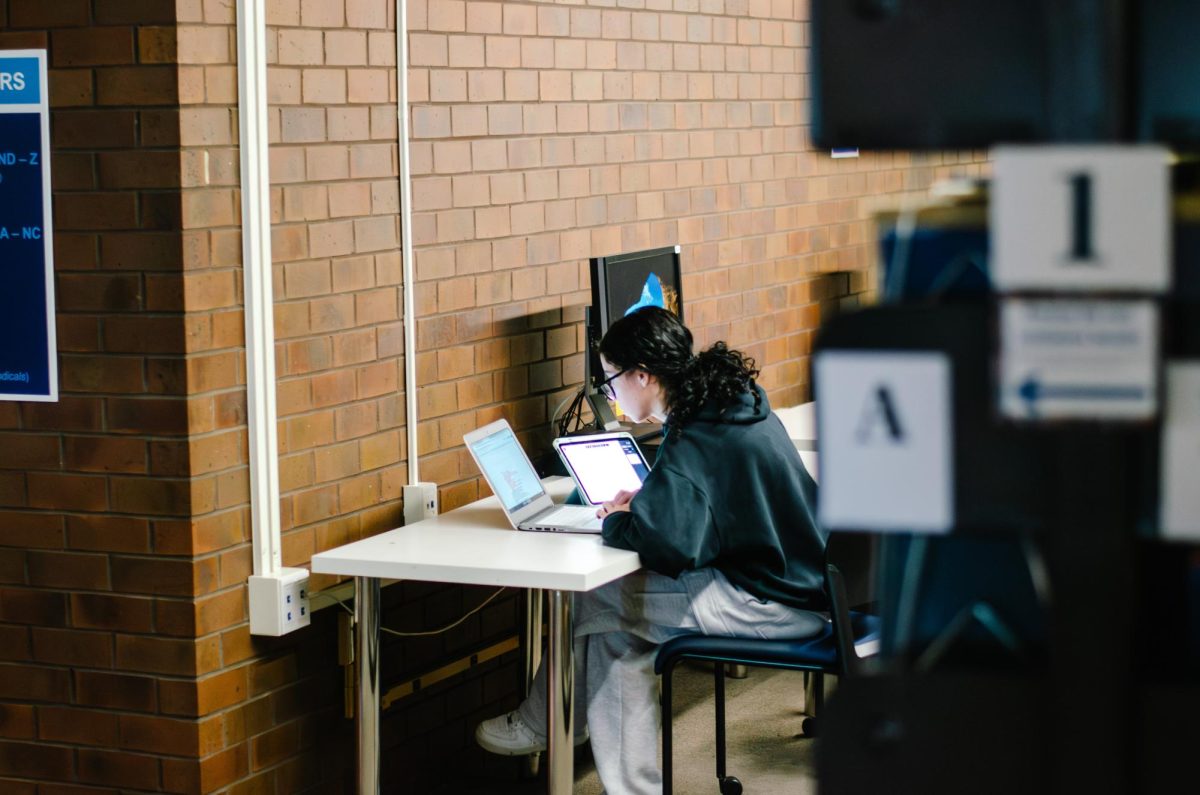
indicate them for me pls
(880, 408)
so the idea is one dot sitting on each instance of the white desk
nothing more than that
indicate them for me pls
(475, 545)
(800, 422)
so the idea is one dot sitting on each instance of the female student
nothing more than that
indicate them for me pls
(725, 528)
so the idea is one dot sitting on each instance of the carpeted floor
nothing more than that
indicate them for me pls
(766, 753)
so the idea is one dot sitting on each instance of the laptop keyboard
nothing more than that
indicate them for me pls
(570, 516)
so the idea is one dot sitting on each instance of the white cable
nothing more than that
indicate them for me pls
(438, 631)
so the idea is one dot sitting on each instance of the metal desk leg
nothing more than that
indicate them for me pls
(366, 617)
(533, 658)
(560, 696)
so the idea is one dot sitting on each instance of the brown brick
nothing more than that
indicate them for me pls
(104, 454)
(12, 567)
(68, 570)
(173, 537)
(122, 613)
(156, 45)
(144, 334)
(77, 726)
(215, 531)
(314, 504)
(159, 735)
(34, 760)
(335, 388)
(141, 85)
(117, 691)
(147, 415)
(136, 169)
(73, 171)
(71, 88)
(68, 414)
(25, 40)
(77, 492)
(141, 12)
(31, 530)
(122, 374)
(141, 250)
(154, 576)
(98, 291)
(92, 46)
(17, 721)
(221, 611)
(156, 655)
(72, 647)
(151, 496)
(377, 379)
(35, 14)
(217, 452)
(13, 492)
(95, 211)
(273, 746)
(30, 451)
(26, 683)
(220, 769)
(206, 695)
(118, 769)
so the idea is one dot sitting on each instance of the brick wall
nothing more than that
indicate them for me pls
(544, 133)
(100, 597)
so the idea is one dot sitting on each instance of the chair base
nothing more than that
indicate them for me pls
(730, 786)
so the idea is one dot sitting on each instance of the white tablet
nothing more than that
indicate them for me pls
(603, 464)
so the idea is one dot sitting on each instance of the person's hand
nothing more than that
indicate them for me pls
(620, 502)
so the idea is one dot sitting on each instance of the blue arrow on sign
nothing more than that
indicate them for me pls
(1032, 390)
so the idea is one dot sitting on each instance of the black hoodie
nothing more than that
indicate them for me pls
(730, 492)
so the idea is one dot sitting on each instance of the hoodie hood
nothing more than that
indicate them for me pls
(741, 412)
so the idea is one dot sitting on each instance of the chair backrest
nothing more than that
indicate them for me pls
(843, 632)
(856, 555)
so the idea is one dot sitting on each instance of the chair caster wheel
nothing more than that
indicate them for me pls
(731, 786)
(808, 727)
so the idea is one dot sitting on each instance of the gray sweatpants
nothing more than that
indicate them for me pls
(618, 628)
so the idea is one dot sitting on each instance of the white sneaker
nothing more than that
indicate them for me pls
(509, 735)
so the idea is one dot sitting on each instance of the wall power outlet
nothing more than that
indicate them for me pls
(279, 602)
(420, 502)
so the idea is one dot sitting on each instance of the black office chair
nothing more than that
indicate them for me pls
(832, 651)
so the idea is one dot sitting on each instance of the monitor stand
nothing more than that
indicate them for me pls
(602, 411)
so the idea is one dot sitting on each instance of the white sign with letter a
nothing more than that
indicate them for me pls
(1080, 218)
(886, 441)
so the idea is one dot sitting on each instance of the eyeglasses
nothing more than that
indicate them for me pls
(606, 386)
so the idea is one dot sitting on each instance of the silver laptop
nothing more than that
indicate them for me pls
(516, 484)
(603, 464)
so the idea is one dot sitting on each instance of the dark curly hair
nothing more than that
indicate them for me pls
(654, 340)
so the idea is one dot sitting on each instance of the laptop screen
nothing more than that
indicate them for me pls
(602, 467)
(508, 471)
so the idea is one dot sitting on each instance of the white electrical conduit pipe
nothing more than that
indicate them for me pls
(256, 273)
(406, 250)
(259, 302)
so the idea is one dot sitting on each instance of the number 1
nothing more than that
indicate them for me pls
(1081, 217)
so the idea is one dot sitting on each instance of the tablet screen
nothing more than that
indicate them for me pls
(602, 467)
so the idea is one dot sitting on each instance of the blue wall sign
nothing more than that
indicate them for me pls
(28, 360)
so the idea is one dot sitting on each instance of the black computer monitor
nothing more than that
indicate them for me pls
(931, 74)
(622, 283)
(1166, 62)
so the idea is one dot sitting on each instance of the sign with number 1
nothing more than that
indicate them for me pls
(1081, 218)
